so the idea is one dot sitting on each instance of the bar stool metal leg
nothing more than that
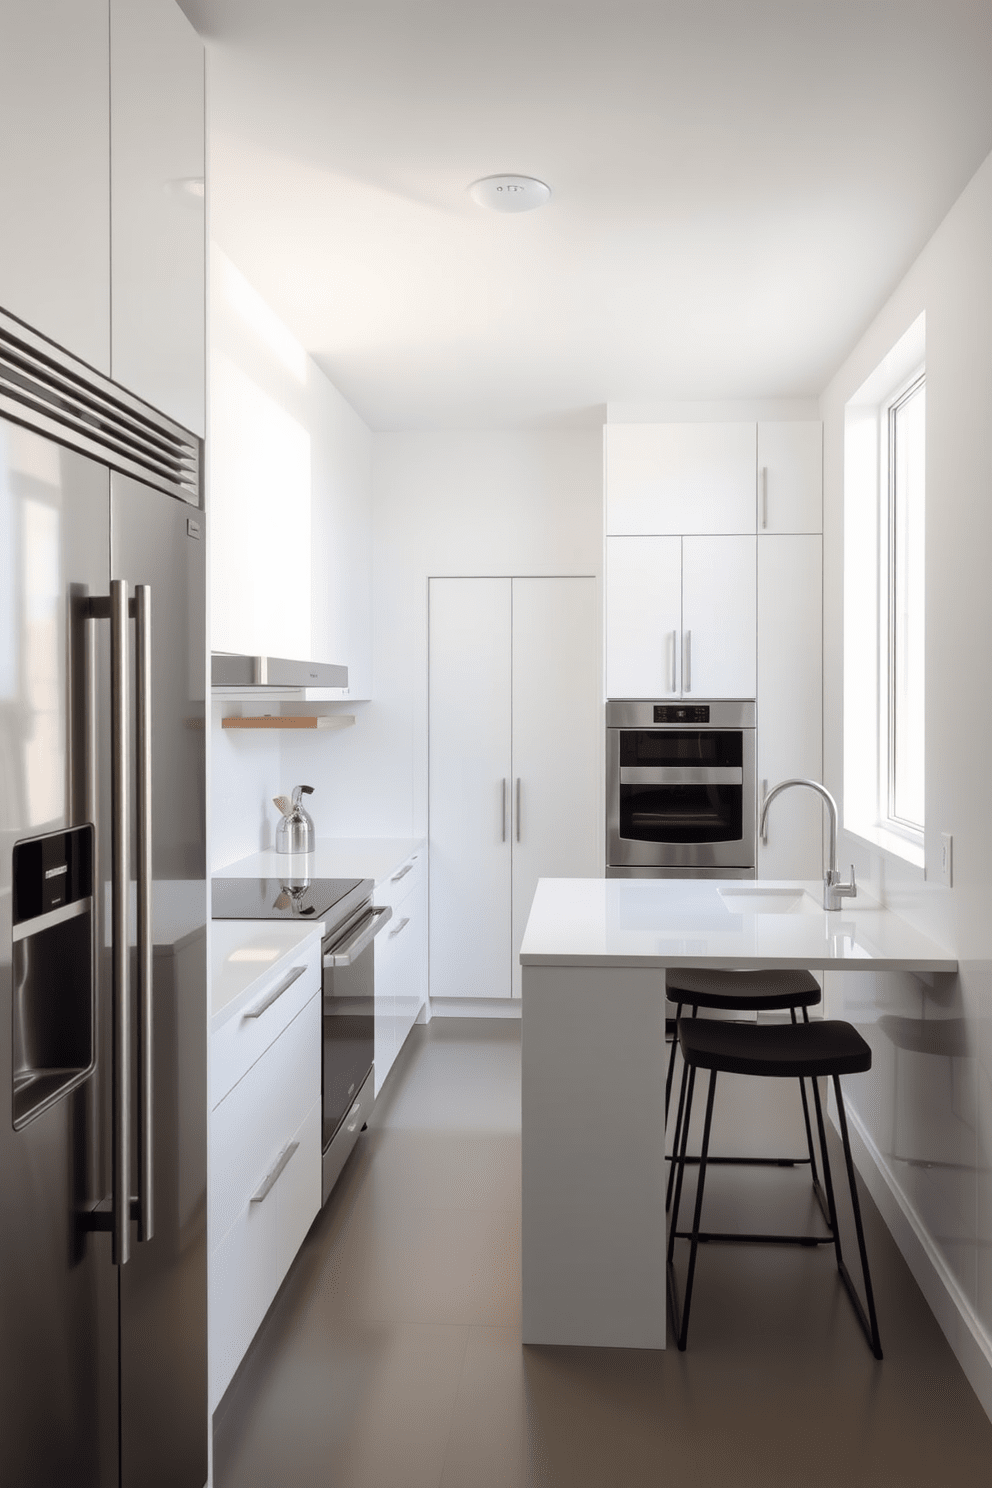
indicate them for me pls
(671, 1061)
(869, 1323)
(694, 1244)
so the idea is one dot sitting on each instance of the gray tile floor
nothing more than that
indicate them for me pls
(392, 1356)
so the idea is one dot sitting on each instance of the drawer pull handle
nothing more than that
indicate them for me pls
(393, 933)
(271, 1178)
(402, 873)
(276, 993)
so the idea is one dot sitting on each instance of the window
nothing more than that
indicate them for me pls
(884, 601)
(906, 442)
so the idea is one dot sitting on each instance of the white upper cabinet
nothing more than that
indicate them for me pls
(680, 617)
(719, 599)
(643, 617)
(54, 181)
(678, 478)
(157, 207)
(790, 477)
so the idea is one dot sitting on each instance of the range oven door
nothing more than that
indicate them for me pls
(680, 798)
(349, 1014)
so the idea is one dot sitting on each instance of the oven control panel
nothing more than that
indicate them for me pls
(681, 713)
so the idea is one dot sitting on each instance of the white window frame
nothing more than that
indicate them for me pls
(867, 668)
(888, 621)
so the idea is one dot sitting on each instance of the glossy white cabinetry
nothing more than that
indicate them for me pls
(677, 478)
(101, 178)
(54, 172)
(790, 477)
(643, 617)
(157, 207)
(514, 724)
(265, 1128)
(789, 698)
(400, 961)
(680, 616)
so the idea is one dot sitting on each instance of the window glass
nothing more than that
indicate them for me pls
(906, 634)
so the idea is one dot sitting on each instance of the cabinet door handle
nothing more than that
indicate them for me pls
(276, 993)
(272, 1176)
(503, 828)
(401, 926)
(687, 661)
(402, 873)
(518, 808)
(764, 495)
(673, 657)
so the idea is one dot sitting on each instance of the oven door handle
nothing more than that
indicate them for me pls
(681, 775)
(346, 952)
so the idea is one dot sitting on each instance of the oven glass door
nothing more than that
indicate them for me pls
(681, 787)
(680, 797)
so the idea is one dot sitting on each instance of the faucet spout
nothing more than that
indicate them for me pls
(833, 890)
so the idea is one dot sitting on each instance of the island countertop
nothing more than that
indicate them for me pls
(733, 923)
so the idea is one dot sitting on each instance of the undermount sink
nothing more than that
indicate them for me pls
(758, 899)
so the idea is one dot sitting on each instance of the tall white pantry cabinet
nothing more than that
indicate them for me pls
(515, 717)
(714, 589)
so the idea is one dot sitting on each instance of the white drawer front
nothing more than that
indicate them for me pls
(257, 1120)
(236, 1046)
(248, 1266)
(241, 1273)
(406, 877)
(298, 1191)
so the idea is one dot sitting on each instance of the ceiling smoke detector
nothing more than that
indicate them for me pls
(510, 193)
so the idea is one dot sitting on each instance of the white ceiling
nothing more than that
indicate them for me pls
(737, 187)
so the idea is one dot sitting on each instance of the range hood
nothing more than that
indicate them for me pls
(228, 669)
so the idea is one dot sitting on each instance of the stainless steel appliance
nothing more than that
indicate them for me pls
(103, 911)
(680, 789)
(351, 923)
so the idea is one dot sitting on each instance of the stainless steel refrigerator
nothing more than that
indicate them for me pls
(103, 912)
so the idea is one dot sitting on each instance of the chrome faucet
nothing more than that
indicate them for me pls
(833, 890)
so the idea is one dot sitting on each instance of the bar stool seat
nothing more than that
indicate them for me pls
(783, 1051)
(775, 990)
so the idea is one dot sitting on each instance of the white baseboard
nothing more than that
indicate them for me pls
(958, 1320)
(472, 1007)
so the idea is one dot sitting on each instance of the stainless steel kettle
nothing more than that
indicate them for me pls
(295, 833)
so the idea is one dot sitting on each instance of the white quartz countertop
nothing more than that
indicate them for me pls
(733, 923)
(242, 952)
(333, 857)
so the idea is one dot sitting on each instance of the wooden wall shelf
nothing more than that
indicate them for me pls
(278, 721)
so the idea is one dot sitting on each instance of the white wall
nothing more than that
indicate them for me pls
(290, 497)
(926, 1117)
(450, 503)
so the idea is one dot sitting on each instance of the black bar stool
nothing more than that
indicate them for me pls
(785, 1051)
(742, 992)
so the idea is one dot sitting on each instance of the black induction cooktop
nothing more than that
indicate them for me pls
(279, 899)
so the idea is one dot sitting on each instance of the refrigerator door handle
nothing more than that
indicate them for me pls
(143, 784)
(120, 938)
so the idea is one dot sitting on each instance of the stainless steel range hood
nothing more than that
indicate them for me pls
(227, 669)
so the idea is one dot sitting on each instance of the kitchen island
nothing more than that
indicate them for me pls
(593, 1068)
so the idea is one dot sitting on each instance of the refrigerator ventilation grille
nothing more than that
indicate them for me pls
(51, 391)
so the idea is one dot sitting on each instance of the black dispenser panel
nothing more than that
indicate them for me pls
(54, 1048)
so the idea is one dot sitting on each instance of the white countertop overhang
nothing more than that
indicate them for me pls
(737, 924)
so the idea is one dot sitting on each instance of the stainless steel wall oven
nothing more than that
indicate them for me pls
(680, 789)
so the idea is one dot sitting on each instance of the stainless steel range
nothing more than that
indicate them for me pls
(680, 789)
(351, 923)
